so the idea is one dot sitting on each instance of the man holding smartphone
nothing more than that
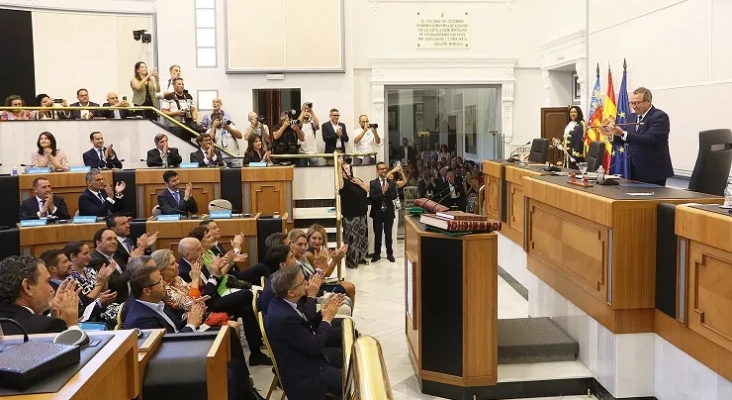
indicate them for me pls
(113, 101)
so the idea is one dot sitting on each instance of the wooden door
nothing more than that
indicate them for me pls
(553, 122)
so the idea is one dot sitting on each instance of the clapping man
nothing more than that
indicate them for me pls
(163, 155)
(174, 200)
(207, 155)
(99, 156)
(113, 101)
(43, 204)
(100, 199)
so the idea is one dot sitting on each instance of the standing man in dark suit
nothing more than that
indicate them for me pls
(83, 96)
(26, 294)
(208, 155)
(113, 101)
(162, 155)
(382, 192)
(100, 199)
(648, 151)
(406, 153)
(172, 200)
(335, 135)
(298, 343)
(43, 204)
(99, 156)
(452, 192)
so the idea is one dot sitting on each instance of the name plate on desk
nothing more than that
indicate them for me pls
(220, 214)
(38, 170)
(84, 219)
(33, 222)
(171, 217)
(258, 164)
(189, 165)
(79, 168)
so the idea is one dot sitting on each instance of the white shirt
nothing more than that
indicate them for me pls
(171, 105)
(158, 308)
(84, 113)
(366, 145)
(40, 207)
(205, 157)
(339, 143)
(110, 259)
(309, 145)
(638, 120)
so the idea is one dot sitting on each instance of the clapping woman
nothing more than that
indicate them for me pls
(48, 155)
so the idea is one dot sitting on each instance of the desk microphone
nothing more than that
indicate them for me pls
(513, 157)
(234, 212)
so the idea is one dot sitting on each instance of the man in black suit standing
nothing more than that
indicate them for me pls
(100, 199)
(99, 156)
(162, 155)
(648, 151)
(208, 155)
(382, 192)
(113, 101)
(172, 200)
(335, 135)
(453, 192)
(26, 294)
(83, 96)
(406, 153)
(43, 204)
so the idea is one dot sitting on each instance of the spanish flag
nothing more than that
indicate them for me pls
(609, 110)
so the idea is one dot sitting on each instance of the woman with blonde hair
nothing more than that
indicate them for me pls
(318, 249)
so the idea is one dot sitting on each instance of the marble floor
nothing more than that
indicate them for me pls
(380, 311)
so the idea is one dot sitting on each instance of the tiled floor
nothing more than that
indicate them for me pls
(379, 312)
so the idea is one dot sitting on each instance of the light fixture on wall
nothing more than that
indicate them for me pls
(143, 35)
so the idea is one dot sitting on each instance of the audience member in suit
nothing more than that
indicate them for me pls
(299, 343)
(406, 153)
(99, 156)
(453, 192)
(113, 101)
(26, 294)
(335, 135)
(105, 252)
(100, 199)
(382, 192)
(83, 96)
(173, 200)
(162, 155)
(236, 304)
(252, 274)
(146, 310)
(208, 155)
(43, 203)
(126, 245)
(648, 151)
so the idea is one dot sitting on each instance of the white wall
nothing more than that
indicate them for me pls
(678, 49)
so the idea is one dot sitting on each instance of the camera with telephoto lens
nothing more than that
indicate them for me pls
(373, 126)
(261, 120)
(293, 117)
(347, 159)
(310, 105)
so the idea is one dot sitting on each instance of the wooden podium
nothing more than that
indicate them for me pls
(451, 309)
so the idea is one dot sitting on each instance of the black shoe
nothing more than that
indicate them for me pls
(391, 258)
(259, 359)
(255, 393)
(375, 258)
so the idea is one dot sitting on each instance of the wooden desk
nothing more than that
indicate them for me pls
(171, 232)
(268, 190)
(69, 185)
(597, 246)
(35, 240)
(452, 340)
(112, 373)
(703, 324)
(493, 172)
(206, 187)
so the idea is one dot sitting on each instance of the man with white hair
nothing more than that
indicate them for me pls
(258, 127)
(219, 125)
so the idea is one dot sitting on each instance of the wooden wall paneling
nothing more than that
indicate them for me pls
(267, 197)
(704, 227)
(36, 240)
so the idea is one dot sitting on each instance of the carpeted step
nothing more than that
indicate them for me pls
(532, 340)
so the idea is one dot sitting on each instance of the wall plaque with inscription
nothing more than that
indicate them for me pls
(444, 31)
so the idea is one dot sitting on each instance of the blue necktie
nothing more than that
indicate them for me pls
(176, 196)
(100, 196)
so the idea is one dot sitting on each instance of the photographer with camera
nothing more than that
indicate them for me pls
(366, 141)
(309, 145)
(180, 106)
(219, 125)
(258, 127)
(286, 135)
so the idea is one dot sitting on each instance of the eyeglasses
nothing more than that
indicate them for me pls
(154, 284)
(635, 103)
(335, 115)
(303, 283)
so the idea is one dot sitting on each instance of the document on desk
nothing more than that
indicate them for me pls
(641, 194)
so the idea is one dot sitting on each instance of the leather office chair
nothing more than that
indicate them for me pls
(539, 151)
(219, 205)
(713, 162)
(156, 211)
(595, 155)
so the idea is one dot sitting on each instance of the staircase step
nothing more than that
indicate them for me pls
(533, 340)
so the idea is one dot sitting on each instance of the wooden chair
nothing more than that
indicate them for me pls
(119, 317)
(260, 319)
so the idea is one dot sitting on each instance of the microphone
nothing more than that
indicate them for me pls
(439, 193)
(17, 325)
(513, 156)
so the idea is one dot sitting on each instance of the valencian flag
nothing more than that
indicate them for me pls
(620, 164)
(595, 114)
(609, 110)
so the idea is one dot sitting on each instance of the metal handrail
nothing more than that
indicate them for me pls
(481, 198)
(131, 108)
(370, 377)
